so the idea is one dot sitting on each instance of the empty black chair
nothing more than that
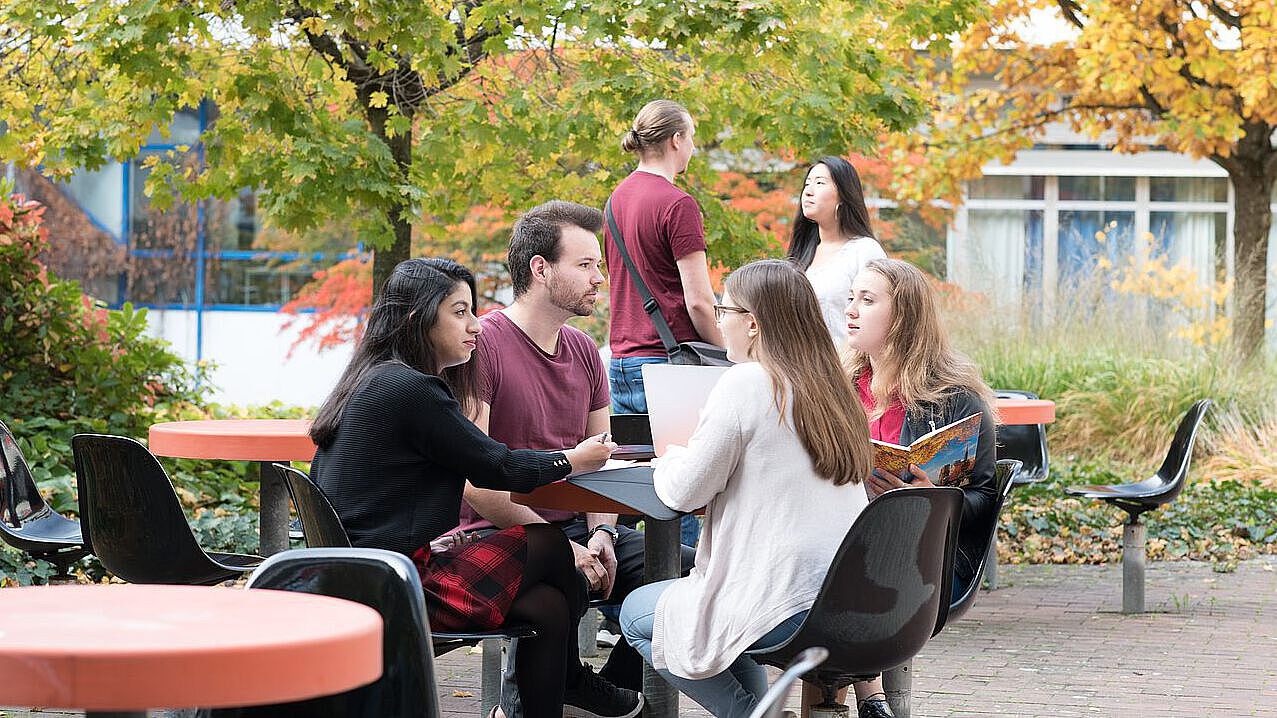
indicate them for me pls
(384, 581)
(1024, 442)
(322, 527)
(1139, 497)
(27, 523)
(1004, 477)
(773, 703)
(132, 518)
(886, 590)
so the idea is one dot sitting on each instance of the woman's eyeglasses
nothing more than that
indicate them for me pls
(721, 309)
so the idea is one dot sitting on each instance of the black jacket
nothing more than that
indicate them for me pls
(981, 494)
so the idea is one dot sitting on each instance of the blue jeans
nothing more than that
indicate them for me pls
(731, 694)
(625, 379)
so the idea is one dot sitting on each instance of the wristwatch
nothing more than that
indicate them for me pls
(608, 529)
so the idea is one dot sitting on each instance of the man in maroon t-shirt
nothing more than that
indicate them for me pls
(542, 385)
(665, 236)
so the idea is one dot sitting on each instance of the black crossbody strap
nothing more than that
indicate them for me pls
(649, 302)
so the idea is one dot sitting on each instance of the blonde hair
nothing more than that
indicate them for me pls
(793, 346)
(658, 121)
(918, 364)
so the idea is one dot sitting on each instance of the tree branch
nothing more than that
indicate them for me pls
(1224, 16)
(1072, 10)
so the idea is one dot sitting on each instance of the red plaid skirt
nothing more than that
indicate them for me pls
(470, 587)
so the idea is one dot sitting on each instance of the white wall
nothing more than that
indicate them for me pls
(250, 351)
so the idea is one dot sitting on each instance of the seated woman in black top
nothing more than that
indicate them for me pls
(395, 450)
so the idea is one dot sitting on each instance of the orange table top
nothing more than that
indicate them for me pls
(1013, 412)
(131, 647)
(234, 439)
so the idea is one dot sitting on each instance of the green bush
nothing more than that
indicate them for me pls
(68, 365)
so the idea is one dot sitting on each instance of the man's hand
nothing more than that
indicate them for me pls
(588, 563)
(602, 546)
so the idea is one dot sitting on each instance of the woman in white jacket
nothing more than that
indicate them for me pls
(777, 460)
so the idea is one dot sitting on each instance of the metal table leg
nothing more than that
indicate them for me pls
(660, 562)
(273, 497)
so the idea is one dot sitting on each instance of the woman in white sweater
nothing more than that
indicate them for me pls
(781, 484)
(830, 238)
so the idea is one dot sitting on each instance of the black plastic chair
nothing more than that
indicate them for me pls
(773, 703)
(322, 528)
(382, 580)
(886, 590)
(1025, 442)
(134, 521)
(1142, 496)
(1004, 474)
(27, 523)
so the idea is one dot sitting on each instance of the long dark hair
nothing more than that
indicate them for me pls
(853, 215)
(398, 330)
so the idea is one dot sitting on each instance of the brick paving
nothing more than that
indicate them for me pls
(1051, 641)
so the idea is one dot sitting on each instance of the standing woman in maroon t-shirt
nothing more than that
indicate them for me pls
(665, 236)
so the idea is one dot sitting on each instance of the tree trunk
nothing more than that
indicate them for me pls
(384, 259)
(1252, 190)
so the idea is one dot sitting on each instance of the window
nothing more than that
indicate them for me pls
(1002, 253)
(1006, 187)
(1188, 189)
(1111, 189)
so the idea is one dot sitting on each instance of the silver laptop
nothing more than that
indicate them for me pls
(675, 396)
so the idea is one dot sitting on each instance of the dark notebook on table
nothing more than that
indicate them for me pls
(631, 486)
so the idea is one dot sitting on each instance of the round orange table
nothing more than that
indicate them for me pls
(1025, 411)
(261, 440)
(126, 648)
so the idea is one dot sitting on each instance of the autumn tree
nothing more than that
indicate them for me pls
(391, 114)
(1193, 77)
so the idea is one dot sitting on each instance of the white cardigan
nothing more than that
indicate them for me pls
(772, 527)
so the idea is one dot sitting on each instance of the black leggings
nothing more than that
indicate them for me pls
(552, 598)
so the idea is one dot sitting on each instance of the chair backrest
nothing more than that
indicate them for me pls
(1025, 442)
(1004, 474)
(131, 516)
(20, 500)
(320, 523)
(630, 428)
(772, 704)
(384, 581)
(1174, 469)
(887, 588)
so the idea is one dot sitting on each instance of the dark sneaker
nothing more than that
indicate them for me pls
(594, 697)
(874, 708)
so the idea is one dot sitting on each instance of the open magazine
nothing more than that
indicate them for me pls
(946, 454)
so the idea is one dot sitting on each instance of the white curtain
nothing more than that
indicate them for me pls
(993, 254)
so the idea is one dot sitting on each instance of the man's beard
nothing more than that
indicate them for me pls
(569, 301)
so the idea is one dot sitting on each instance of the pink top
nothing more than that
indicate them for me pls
(888, 426)
(132, 647)
(661, 224)
(234, 439)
